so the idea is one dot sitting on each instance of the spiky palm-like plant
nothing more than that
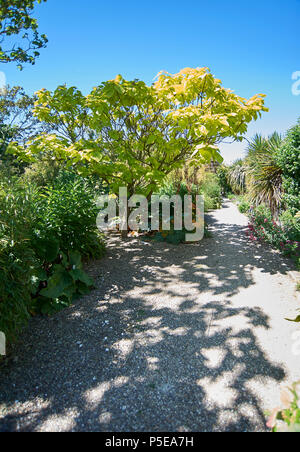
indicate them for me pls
(264, 176)
(237, 177)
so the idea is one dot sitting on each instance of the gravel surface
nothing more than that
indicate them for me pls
(173, 338)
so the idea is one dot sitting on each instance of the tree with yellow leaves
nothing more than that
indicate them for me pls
(133, 135)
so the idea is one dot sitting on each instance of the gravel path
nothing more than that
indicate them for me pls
(174, 338)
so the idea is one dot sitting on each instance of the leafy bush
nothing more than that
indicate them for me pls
(291, 225)
(173, 236)
(288, 158)
(17, 267)
(43, 236)
(211, 191)
(59, 282)
(18, 261)
(223, 175)
(68, 213)
(231, 196)
(283, 237)
(42, 173)
(244, 206)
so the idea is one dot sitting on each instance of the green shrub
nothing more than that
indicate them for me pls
(44, 233)
(18, 261)
(59, 282)
(291, 225)
(223, 176)
(288, 158)
(17, 268)
(68, 213)
(42, 173)
(211, 191)
(244, 206)
(283, 237)
(231, 196)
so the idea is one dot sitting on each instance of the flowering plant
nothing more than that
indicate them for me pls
(284, 237)
(287, 417)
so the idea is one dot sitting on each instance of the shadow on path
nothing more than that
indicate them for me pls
(158, 346)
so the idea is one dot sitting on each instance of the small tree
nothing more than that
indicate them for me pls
(133, 135)
(16, 20)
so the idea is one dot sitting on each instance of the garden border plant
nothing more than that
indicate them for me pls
(44, 235)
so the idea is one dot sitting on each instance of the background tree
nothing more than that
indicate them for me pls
(18, 124)
(133, 135)
(16, 21)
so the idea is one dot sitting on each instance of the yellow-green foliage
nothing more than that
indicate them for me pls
(133, 134)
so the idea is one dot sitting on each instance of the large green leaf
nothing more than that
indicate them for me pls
(75, 260)
(57, 283)
(46, 249)
(38, 276)
(80, 275)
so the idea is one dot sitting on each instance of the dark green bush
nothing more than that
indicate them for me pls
(17, 267)
(288, 158)
(42, 173)
(284, 237)
(211, 191)
(68, 213)
(44, 233)
(243, 205)
(223, 175)
(18, 261)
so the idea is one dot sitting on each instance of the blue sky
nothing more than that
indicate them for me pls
(253, 47)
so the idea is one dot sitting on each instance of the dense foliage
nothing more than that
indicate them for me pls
(134, 135)
(264, 176)
(269, 180)
(288, 159)
(16, 21)
(223, 176)
(236, 177)
(44, 234)
(209, 188)
(17, 122)
(284, 237)
(124, 133)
